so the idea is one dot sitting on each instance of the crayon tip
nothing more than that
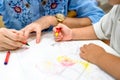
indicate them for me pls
(56, 34)
(27, 44)
(5, 63)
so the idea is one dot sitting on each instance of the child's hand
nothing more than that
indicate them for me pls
(64, 34)
(92, 53)
(10, 39)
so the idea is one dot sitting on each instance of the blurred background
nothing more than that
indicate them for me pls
(104, 5)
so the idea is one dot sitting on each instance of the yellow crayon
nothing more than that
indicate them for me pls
(57, 31)
(56, 34)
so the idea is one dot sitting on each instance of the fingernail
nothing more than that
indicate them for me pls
(37, 41)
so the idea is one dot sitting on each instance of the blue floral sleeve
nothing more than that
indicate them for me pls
(86, 8)
(1, 6)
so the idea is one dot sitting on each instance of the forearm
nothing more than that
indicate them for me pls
(110, 64)
(71, 22)
(85, 33)
(77, 22)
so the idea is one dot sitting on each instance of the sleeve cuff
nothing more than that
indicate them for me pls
(98, 31)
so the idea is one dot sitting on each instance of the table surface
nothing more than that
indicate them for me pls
(50, 60)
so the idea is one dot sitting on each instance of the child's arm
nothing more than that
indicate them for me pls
(97, 55)
(66, 33)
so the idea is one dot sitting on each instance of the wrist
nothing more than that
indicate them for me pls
(52, 20)
(101, 58)
(60, 17)
(37, 24)
(73, 34)
(45, 22)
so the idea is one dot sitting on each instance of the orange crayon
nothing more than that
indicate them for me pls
(7, 58)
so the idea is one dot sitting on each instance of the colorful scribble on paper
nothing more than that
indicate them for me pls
(66, 61)
(61, 64)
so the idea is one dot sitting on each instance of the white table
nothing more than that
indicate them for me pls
(46, 61)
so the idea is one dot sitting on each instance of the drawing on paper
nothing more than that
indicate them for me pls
(66, 61)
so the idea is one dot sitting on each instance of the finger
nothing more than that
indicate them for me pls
(14, 31)
(27, 32)
(85, 46)
(6, 32)
(11, 43)
(38, 34)
(82, 49)
(7, 46)
(83, 56)
(21, 37)
(59, 38)
(54, 29)
(2, 49)
(56, 32)
(11, 35)
(60, 25)
(21, 33)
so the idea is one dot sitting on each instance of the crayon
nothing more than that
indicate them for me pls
(7, 58)
(26, 43)
(57, 31)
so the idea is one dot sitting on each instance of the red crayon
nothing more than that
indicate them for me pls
(7, 58)
(57, 31)
(25, 43)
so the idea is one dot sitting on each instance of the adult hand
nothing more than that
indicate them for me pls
(39, 25)
(64, 34)
(10, 39)
(33, 27)
(92, 52)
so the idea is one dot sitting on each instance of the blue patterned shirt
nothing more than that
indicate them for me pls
(19, 13)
